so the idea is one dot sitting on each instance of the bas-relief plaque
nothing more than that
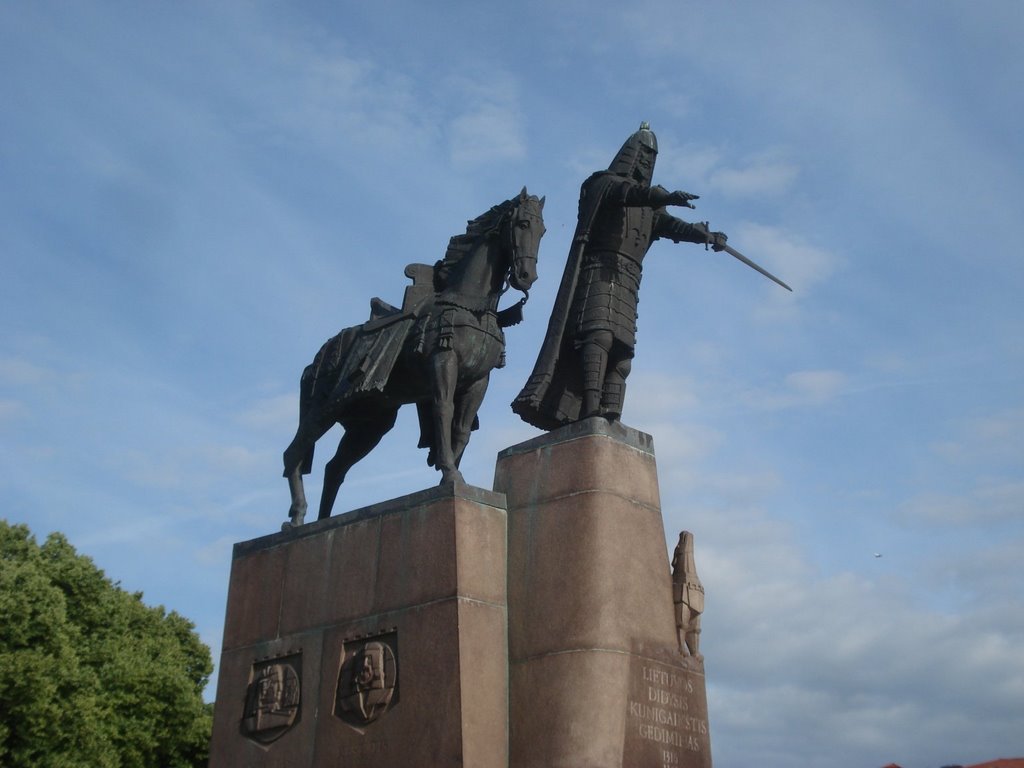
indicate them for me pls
(368, 679)
(273, 698)
(666, 717)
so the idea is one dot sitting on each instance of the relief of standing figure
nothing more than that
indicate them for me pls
(688, 596)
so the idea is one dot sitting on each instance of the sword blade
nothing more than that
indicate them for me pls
(737, 255)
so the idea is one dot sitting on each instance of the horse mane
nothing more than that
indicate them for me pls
(482, 226)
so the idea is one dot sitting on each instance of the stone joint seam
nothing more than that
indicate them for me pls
(371, 617)
(617, 651)
(617, 495)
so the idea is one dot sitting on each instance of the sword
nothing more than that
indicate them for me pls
(737, 255)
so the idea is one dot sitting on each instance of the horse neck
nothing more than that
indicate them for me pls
(481, 272)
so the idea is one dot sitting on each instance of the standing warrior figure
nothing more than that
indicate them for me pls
(688, 596)
(588, 351)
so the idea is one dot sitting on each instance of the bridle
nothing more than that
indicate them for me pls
(517, 258)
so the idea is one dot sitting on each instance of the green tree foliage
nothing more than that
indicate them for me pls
(89, 675)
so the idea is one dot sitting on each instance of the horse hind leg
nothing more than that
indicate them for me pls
(298, 458)
(297, 510)
(359, 439)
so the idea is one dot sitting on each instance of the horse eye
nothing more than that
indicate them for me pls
(524, 224)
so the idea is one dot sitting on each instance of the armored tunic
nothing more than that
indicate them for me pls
(599, 290)
(608, 285)
(620, 216)
(607, 291)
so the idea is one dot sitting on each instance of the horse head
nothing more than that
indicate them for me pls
(526, 228)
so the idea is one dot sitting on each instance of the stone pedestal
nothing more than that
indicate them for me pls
(596, 679)
(375, 638)
(440, 630)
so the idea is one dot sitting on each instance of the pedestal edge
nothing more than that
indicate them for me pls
(595, 426)
(402, 503)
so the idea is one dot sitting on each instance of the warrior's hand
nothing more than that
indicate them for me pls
(717, 240)
(659, 197)
(682, 198)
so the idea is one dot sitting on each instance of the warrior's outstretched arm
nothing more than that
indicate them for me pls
(679, 231)
(656, 197)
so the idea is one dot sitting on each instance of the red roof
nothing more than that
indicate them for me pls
(1002, 762)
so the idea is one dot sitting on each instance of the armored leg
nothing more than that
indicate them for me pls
(681, 611)
(594, 353)
(614, 394)
(693, 637)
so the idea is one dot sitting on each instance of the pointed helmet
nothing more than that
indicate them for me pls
(641, 143)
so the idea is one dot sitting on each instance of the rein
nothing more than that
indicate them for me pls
(512, 315)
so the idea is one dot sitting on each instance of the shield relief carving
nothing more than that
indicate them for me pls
(273, 698)
(368, 679)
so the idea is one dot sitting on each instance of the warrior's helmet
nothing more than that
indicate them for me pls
(642, 145)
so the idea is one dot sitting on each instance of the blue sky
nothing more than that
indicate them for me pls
(193, 197)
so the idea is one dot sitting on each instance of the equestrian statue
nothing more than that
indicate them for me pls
(437, 350)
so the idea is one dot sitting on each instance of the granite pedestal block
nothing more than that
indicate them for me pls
(528, 627)
(375, 638)
(596, 678)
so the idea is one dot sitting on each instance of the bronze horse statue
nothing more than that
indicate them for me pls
(437, 350)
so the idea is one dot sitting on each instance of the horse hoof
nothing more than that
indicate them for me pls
(292, 523)
(451, 477)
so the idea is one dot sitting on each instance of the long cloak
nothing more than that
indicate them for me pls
(553, 395)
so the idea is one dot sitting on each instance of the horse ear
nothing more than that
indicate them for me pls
(542, 202)
(523, 195)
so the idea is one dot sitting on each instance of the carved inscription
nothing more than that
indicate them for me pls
(368, 679)
(362, 751)
(272, 698)
(661, 715)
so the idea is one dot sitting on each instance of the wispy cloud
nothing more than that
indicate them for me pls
(998, 437)
(802, 264)
(273, 415)
(989, 501)
(799, 389)
(11, 409)
(815, 628)
(185, 236)
(487, 133)
(815, 387)
(760, 178)
(20, 372)
(488, 126)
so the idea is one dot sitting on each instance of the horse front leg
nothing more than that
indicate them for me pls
(465, 414)
(444, 378)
